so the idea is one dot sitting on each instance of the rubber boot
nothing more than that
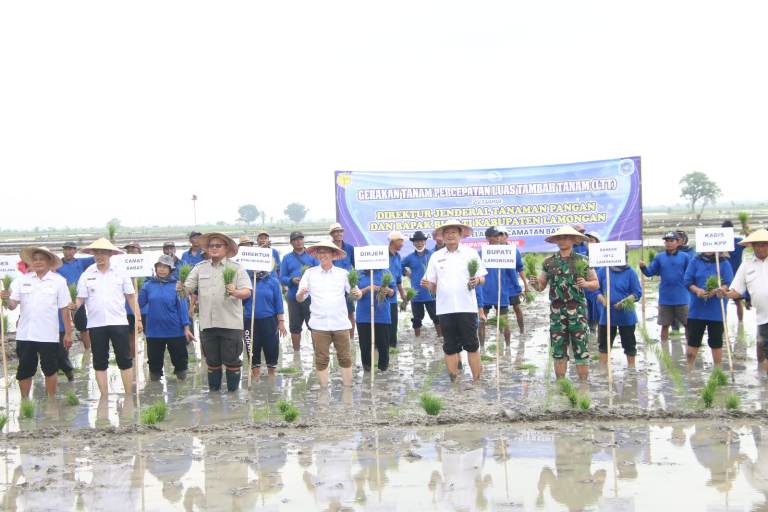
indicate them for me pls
(214, 380)
(233, 380)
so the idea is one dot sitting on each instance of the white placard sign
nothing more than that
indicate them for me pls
(8, 266)
(607, 254)
(258, 259)
(134, 265)
(499, 256)
(714, 239)
(371, 257)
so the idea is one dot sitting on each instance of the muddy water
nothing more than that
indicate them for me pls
(677, 465)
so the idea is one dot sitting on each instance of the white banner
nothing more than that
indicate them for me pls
(258, 259)
(371, 257)
(714, 239)
(499, 256)
(134, 265)
(8, 266)
(607, 254)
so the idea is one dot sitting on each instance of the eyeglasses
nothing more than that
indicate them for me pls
(215, 246)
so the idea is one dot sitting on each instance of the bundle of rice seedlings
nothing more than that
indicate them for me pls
(432, 405)
(353, 278)
(229, 277)
(473, 266)
(732, 401)
(304, 268)
(73, 292)
(531, 262)
(7, 280)
(386, 280)
(581, 266)
(3, 421)
(155, 413)
(565, 386)
(184, 271)
(112, 226)
(291, 414)
(711, 283)
(628, 303)
(71, 398)
(139, 284)
(529, 297)
(651, 255)
(744, 219)
(410, 293)
(27, 408)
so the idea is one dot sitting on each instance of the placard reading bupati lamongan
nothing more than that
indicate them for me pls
(607, 254)
(714, 239)
(258, 259)
(134, 265)
(371, 257)
(499, 256)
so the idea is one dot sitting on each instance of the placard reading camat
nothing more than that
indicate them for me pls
(714, 239)
(499, 256)
(8, 266)
(258, 259)
(607, 254)
(371, 257)
(134, 265)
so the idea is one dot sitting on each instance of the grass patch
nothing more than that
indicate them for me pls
(71, 398)
(290, 370)
(432, 405)
(155, 413)
(3, 421)
(732, 401)
(484, 358)
(28, 408)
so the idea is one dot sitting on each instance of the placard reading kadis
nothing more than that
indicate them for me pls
(371, 257)
(499, 256)
(134, 265)
(714, 239)
(607, 254)
(258, 259)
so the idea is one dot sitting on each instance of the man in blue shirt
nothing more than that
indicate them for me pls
(194, 255)
(71, 269)
(347, 263)
(396, 242)
(262, 240)
(291, 269)
(735, 260)
(581, 247)
(415, 266)
(670, 265)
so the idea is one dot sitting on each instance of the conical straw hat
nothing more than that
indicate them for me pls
(232, 247)
(759, 235)
(27, 253)
(338, 254)
(564, 231)
(103, 244)
(453, 223)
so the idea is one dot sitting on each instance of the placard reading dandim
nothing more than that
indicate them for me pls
(371, 257)
(607, 254)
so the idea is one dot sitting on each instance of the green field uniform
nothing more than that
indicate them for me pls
(568, 309)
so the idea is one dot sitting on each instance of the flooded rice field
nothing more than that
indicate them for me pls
(513, 442)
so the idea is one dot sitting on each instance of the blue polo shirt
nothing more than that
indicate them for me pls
(697, 273)
(187, 258)
(623, 284)
(166, 313)
(381, 310)
(418, 265)
(581, 248)
(396, 269)
(349, 260)
(671, 268)
(736, 254)
(290, 267)
(71, 270)
(269, 298)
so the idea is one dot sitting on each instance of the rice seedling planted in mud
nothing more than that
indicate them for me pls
(708, 394)
(3, 421)
(472, 267)
(503, 322)
(491, 347)
(732, 401)
(530, 367)
(261, 413)
(581, 266)
(565, 386)
(485, 358)
(711, 283)
(155, 413)
(291, 414)
(719, 377)
(432, 405)
(71, 398)
(27, 408)
(283, 405)
(229, 277)
(584, 402)
(289, 370)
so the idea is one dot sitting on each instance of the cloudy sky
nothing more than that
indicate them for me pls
(125, 109)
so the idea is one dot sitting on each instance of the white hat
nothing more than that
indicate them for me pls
(395, 235)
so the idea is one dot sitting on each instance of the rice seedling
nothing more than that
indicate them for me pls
(573, 399)
(112, 227)
(290, 370)
(666, 362)
(708, 394)
(283, 405)
(7, 280)
(529, 297)
(491, 347)
(484, 358)
(719, 377)
(3, 421)
(291, 414)
(503, 321)
(27, 408)
(386, 280)
(410, 293)
(139, 284)
(71, 398)
(229, 277)
(432, 405)
(531, 262)
(565, 386)
(262, 413)
(584, 402)
(72, 292)
(473, 266)
(732, 401)
(530, 367)
(304, 268)
(155, 413)
(651, 255)
(744, 220)
(184, 271)
(711, 283)
(628, 303)
(581, 266)
(353, 278)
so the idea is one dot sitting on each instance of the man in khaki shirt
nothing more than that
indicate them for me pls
(220, 308)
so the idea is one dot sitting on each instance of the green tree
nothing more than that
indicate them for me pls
(296, 212)
(248, 213)
(697, 188)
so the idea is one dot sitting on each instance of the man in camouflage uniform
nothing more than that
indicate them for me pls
(567, 275)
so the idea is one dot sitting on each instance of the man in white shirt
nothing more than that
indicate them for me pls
(43, 296)
(449, 278)
(327, 285)
(752, 277)
(104, 290)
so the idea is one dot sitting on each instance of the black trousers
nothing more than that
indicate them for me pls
(177, 348)
(392, 327)
(382, 344)
(65, 364)
(418, 312)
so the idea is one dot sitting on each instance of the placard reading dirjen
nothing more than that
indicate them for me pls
(499, 256)
(371, 257)
(714, 239)
(258, 259)
(607, 254)
(134, 265)
(8, 266)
